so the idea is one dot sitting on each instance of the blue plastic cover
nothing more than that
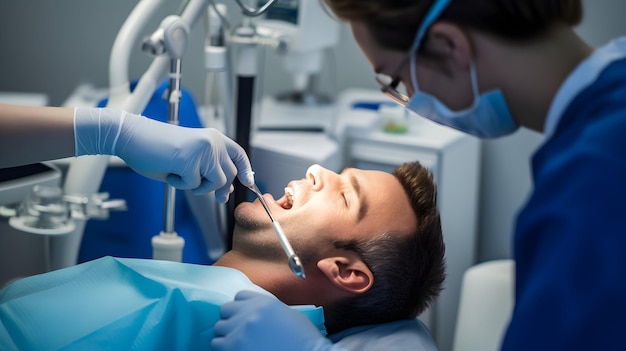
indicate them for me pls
(121, 304)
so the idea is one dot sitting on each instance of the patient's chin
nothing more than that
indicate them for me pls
(256, 241)
(249, 220)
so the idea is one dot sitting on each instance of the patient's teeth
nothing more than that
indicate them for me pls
(289, 196)
(289, 191)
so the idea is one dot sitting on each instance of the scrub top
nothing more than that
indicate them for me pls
(122, 304)
(570, 239)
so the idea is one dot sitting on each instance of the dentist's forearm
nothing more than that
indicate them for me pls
(34, 134)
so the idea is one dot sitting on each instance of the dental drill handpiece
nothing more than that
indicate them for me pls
(294, 261)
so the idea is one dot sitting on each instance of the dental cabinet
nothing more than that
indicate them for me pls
(454, 160)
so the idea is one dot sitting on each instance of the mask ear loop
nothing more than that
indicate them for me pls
(435, 10)
(474, 80)
(413, 74)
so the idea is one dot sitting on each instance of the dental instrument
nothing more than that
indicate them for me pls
(294, 261)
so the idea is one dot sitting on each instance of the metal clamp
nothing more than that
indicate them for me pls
(95, 206)
(48, 211)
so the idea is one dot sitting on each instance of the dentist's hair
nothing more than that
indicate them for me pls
(408, 268)
(393, 23)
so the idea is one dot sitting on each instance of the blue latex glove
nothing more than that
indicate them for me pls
(255, 321)
(202, 159)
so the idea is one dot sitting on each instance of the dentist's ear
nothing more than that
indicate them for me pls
(448, 42)
(347, 272)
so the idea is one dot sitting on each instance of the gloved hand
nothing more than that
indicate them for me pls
(254, 321)
(202, 159)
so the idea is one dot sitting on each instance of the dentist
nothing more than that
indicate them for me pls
(201, 159)
(488, 67)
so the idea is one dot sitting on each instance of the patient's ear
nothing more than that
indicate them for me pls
(347, 272)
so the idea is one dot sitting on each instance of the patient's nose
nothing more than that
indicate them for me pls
(314, 176)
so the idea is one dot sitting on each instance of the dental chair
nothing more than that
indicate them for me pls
(485, 307)
(399, 335)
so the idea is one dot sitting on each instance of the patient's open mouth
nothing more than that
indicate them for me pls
(286, 201)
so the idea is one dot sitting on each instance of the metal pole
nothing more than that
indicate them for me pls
(172, 118)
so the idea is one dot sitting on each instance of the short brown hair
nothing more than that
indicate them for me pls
(408, 268)
(393, 23)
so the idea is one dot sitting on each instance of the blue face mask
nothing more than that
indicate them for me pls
(488, 117)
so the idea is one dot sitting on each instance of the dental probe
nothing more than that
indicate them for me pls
(294, 261)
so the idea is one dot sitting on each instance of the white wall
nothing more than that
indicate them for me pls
(52, 46)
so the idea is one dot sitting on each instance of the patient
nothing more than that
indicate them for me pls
(361, 240)
(370, 243)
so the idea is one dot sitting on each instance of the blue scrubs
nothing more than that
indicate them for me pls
(122, 304)
(570, 240)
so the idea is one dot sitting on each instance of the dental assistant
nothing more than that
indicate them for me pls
(488, 67)
(201, 159)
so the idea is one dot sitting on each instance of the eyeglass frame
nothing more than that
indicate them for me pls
(390, 89)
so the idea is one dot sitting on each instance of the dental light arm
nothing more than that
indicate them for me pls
(128, 36)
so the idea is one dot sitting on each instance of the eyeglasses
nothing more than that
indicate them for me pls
(389, 84)
(389, 87)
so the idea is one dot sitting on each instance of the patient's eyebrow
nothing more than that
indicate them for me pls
(362, 203)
